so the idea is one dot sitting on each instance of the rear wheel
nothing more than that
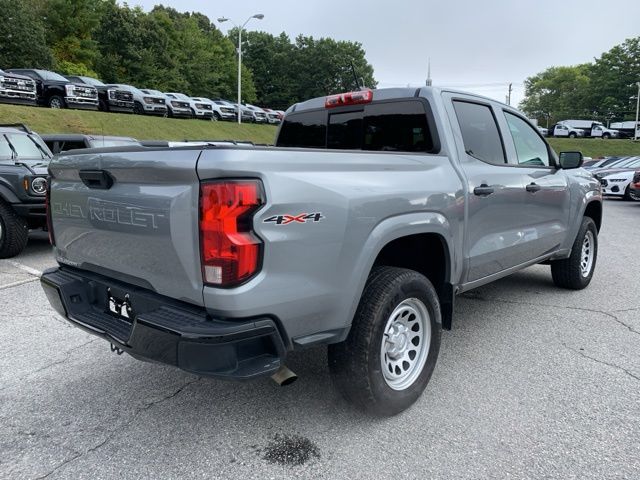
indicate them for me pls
(606, 136)
(572, 135)
(14, 232)
(387, 360)
(576, 272)
(631, 195)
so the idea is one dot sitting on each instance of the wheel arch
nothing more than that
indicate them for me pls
(593, 210)
(395, 241)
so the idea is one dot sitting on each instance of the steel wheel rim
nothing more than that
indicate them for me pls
(587, 254)
(55, 103)
(405, 344)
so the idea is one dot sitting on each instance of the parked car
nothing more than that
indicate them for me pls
(199, 110)
(64, 142)
(225, 109)
(272, 116)
(15, 88)
(356, 231)
(618, 163)
(258, 114)
(110, 98)
(590, 129)
(24, 159)
(618, 183)
(246, 114)
(629, 129)
(55, 91)
(543, 131)
(217, 110)
(145, 103)
(175, 108)
(634, 189)
(560, 130)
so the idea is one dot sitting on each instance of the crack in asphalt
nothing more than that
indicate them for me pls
(602, 362)
(111, 435)
(580, 309)
(67, 355)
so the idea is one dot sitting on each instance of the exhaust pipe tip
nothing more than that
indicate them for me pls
(284, 376)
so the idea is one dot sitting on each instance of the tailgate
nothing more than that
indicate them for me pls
(132, 216)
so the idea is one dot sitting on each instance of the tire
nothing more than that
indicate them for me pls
(216, 117)
(14, 232)
(103, 106)
(630, 196)
(138, 109)
(572, 135)
(606, 136)
(56, 101)
(362, 366)
(576, 272)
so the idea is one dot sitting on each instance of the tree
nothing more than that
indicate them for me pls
(558, 92)
(23, 42)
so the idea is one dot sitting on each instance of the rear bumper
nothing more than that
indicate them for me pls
(164, 330)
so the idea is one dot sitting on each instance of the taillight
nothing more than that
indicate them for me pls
(47, 203)
(351, 98)
(229, 249)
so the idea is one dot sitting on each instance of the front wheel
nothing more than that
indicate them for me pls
(138, 109)
(576, 272)
(56, 101)
(14, 232)
(387, 360)
(572, 135)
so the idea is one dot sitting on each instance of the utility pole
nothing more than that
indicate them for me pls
(635, 135)
(509, 96)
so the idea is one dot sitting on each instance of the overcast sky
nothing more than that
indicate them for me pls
(475, 45)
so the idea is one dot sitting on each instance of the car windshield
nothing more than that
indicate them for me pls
(20, 146)
(112, 142)
(92, 81)
(47, 75)
(154, 92)
(181, 96)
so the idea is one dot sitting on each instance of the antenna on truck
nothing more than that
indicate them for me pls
(355, 76)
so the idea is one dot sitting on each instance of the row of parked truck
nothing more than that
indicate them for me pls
(592, 129)
(50, 89)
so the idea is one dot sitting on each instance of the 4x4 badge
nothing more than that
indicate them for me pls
(301, 218)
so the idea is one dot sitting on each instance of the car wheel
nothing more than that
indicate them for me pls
(56, 101)
(387, 360)
(576, 272)
(138, 109)
(572, 135)
(14, 232)
(606, 136)
(216, 117)
(630, 195)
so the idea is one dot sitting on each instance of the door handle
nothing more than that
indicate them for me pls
(483, 190)
(533, 187)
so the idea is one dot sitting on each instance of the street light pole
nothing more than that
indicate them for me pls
(635, 132)
(259, 16)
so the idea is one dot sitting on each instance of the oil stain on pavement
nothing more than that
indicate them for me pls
(290, 450)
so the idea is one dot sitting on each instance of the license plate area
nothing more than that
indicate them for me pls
(119, 305)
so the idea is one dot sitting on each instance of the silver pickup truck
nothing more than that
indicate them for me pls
(374, 210)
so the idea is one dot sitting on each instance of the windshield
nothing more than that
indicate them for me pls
(181, 96)
(18, 146)
(47, 75)
(92, 81)
(154, 92)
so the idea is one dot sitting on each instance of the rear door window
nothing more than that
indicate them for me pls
(480, 132)
(397, 126)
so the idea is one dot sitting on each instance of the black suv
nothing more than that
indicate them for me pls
(111, 98)
(16, 88)
(55, 91)
(24, 159)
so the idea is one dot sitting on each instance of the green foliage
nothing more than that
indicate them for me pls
(603, 90)
(286, 72)
(22, 36)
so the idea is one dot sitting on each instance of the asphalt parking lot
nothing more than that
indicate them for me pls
(532, 382)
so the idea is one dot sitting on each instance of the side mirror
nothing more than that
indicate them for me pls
(569, 160)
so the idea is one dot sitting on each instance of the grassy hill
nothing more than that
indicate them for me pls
(142, 127)
(44, 120)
